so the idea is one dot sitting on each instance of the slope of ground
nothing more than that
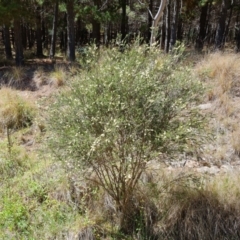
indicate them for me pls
(40, 201)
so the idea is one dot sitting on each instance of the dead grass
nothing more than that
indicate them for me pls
(40, 77)
(169, 206)
(235, 141)
(220, 73)
(193, 207)
(16, 76)
(222, 70)
(202, 215)
(15, 112)
(58, 77)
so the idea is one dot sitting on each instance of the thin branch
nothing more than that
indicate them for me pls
(101, 8)
(147, 9)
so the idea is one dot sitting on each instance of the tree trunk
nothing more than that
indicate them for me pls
(176, 9)
(150, 7)
(39, 34)
(30, 37)
(228, 25)
(12, 36)
(33, 37)
(24, 37)
(96, 35)
(2, 31)
(7, 42)
(168, 29)
(54, 31)
(96, 26)
(202, 28)
(163, 33)
(18, 42)
(124, 19)
(156, 20)
(219, 39)
(70, 31)
(44, 34)
(78, 31)
(61, 41)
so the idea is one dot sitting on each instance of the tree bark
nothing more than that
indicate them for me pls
(219, 39)
(12, 35)
(176, 9)
(96, 26)
(54, 31)
(202, 28)
(39, 34)
(18, 42)
(150, 7)
(24, 36)
(30, 37)
(237, 33)
(70, 31)
(168, 29)
(124, 19)
(156, 20)
(78, 31)
(96, 35)
(228, 25)
(44, 34)
(2, 32)
(7, 42)
(163, 32)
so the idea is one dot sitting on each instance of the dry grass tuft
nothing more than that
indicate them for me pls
(201, 215)
(16, 76)
(177, 206)
(201, 211)
(221, 74)
(235, 141)
(40, 77)
(223, 70)
(14, 111)
(58, 77)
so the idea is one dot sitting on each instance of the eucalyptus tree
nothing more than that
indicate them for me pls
(54, 30)
(174, 25)
(70, 30)
(167, 26)
(14, 12)
(7, 42)
(219, 39)
(39, 51)
(156, 19)
(204, 5)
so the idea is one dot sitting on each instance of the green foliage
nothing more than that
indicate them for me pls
(121, 112)
(14, 215)
(32, 203)
(139, 95)
(12, 9)
(12, 163)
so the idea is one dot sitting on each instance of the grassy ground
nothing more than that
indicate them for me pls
(190, 197)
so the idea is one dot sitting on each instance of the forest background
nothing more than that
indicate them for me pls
(71, 24)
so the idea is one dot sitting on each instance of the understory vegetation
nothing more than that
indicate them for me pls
(91, 161)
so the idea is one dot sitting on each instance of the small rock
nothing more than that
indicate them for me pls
(205, 106)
